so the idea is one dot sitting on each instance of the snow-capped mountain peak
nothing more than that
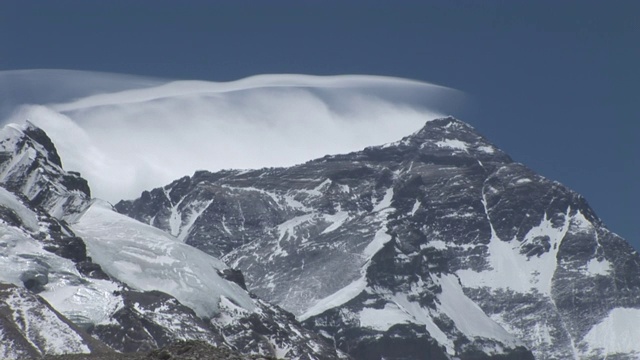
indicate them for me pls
(448, 134)
(434, 246)
(390, 251)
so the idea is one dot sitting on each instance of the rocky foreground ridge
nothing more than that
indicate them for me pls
(181, 350)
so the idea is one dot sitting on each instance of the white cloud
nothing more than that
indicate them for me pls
(127, 141)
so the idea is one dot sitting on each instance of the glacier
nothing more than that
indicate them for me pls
(149, 259)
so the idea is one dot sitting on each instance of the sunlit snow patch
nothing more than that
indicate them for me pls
(453, 144)
(617, 333)
(147, 258)
(598, 267)
(467, 315)
(510, 269)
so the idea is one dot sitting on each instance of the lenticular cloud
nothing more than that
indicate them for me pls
(127, 134)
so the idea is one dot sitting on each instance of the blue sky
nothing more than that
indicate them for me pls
(554, 83)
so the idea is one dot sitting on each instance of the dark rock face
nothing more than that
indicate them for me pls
(30, 165)
(149, 320)
(402, 341)
(41, 138)
(389, 250)
(91, 270)
(235, 276)
(179, 350)
(272, 332)
(35, 280)
(199, 350)
(74, 182)
(10, 217)
(72, 248)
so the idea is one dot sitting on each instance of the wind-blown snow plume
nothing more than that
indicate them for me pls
(136, 135)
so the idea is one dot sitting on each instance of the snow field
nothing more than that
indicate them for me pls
(619, 332)
(147, 258)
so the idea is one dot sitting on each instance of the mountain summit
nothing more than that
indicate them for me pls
(436, 246)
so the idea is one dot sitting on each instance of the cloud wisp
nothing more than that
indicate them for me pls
(136, 138)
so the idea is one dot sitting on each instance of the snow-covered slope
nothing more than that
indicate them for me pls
(52, 278)
(38, 251)
(154, 290)
(30, 326)
(25, 260)
(146, 258)
(437, 245)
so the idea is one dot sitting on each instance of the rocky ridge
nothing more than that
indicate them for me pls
(57, 297)
(435, 246)
(180, 350)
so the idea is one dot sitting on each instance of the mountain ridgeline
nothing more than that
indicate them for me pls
(79, 278)
(437, 246)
